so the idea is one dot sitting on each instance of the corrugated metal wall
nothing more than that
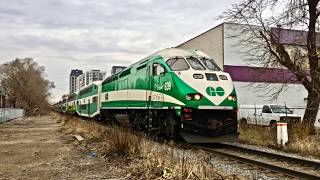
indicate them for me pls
(10, 113)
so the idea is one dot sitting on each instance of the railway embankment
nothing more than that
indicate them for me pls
(36, 148)
(63, 147)
(142, 157)
(60, 147)
(148, 159)
(300, 143)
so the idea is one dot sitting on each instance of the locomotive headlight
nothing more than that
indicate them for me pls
(232, 98)
(197, 97)
(188, 97)
(223, 77)
(193, 97)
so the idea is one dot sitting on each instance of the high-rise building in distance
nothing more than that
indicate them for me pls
(88, 77)
(116, 69)
(73, 79)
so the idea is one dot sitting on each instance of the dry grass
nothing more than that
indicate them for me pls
(167, 162)
(306, 146)
(162, 161)
(257, 135)
(300, 140)
(87, 129)
(122, 142)
(298, 131)
(145, 159)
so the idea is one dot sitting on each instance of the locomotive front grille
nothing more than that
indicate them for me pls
(211, 77)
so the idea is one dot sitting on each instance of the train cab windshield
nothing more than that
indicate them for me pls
(178, 64)
(195, 63)
(210, 64)
(181, 63)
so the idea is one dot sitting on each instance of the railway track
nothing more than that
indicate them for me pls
(270, 163)
(285, 165)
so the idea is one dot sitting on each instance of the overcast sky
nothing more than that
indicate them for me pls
(97, 34)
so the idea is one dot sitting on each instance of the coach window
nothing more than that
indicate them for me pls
(158, 70)
(178, 64)
(94, 99)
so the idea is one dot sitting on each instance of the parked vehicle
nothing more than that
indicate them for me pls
(267, 115)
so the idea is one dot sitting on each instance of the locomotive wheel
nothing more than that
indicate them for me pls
(111, 119)
(137, 122)
(170, 127)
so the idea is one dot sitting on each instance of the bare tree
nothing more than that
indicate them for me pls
(266, 25)
(24, 83)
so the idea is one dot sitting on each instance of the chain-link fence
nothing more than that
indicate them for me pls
(10, 113)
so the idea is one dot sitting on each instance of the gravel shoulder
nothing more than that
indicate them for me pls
(36, 148)
(40, 148)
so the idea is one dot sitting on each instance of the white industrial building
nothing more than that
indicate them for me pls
(223, 48)
(88, 77)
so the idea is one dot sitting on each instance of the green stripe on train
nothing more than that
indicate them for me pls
(87, 108)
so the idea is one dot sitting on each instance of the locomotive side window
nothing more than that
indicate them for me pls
(195, 63)
(158, 70)
(178, 64)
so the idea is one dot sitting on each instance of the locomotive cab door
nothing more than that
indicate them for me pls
(123, 85)
(157, 85)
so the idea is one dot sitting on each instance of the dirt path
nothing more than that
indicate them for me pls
(36, 148)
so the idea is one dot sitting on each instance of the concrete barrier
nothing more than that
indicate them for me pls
(282, 134)
(7, 114)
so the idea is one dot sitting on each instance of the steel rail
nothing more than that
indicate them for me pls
(275, 168)
(273, 155)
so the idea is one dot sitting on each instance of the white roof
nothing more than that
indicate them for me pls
(174, 52)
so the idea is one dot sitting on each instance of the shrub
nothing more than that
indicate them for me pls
(123, 142)
(257, 135)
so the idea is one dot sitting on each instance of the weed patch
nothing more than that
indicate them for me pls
(257, 135)
(300, 140)
(145, 159)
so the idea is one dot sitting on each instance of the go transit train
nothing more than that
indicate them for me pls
(171, 92)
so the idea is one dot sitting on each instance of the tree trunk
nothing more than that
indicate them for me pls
(312, 110)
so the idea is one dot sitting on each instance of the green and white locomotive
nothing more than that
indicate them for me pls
(170, 92)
